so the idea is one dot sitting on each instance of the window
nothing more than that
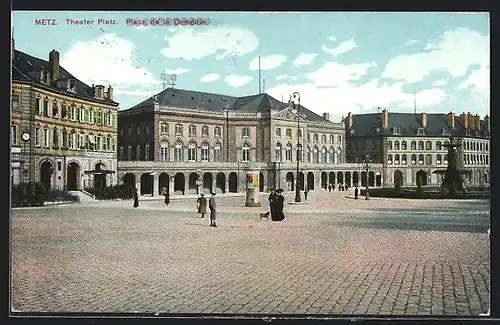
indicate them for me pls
(467, 132)
(14, 135)
(300, 133)
(389, 145)
(396, 159)
(323, 138)
(37, 106)
(278, 152)
(332, 155)
(324, 155)
(339, 140)
(164, 128)
(403, 145)
(138, 152)
(396, 130)
(288, 153)
(37, 136)
(108, 144)
(178, 155)
(403, 160)
(438, 159)
(81, 114)
(45, 107)
(389, 159)
(428, 160)
(146, 129)
(55, 137)
(445, 131)
(315, 155)
(55, 110)
(192, 130)
(64, 112)
(413, 159)
(99, 92)
(91, 116)
(74, 114)
(278, 132)
(178, 129)
(217, 155)
(420, 159)
(332, 138)
(129, 153)
(315, 138)
(300, 153)
(71, 140)
(164, 152)
(46, 138)
(120, 153)
(421, 145)
(146, 152)
(438, 145)
(80, 142)
(396, 145)
(129, 130)
(420, 131)
(445, 161)
(87, 115)
(98, 117)
(98, 143)
(217, 131)
(204, 131)
(192, 152)
(288, 133)
(204, 152)
(137, 130)
(245, 153)
(413, 145)
(428, 145)
(309, 154)
(64, 139)
(91, 142)
(308, 137)
(246, 132)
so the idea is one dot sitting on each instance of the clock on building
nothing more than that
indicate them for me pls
(26, 136)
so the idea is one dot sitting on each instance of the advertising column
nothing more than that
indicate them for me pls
(252, 185)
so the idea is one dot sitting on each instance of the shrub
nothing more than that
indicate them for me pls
(28, 194)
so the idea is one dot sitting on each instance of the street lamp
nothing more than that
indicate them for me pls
(198, 181)
(226, 110)
(366, 166)
(296, 106)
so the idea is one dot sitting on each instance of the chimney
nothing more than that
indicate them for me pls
(385, 119)
(13, 48)
(349, 121)
(68, 84)
(487, 123)
(464, 120)
(326, 116)
(110, 92)
(451, 120)
(95, 91)
(423, 120)
(477, 122)
(54, 65)
(471, 121)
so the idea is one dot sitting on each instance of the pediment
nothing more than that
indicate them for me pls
(288, 113)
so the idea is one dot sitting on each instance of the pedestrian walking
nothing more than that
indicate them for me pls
(356, 192)
(272, 198)
(135, 196)
(330, 188)
(202, 205)
(306, 191)
(213, 210)
(165, 193)
(278, 206)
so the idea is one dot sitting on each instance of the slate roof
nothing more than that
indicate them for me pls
(408, 123)
(28, 68)
(217, 102)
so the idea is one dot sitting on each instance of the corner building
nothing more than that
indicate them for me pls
(409, 146)
(71, 126)
(179, 137)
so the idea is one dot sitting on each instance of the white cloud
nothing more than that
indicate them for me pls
(480, 79)
(412, 41)
(140, 93)
(441, 82)
(210, 77)
(237, 81)
(335, 74)
(191, 44)
(177, 71)
(304, 59)
(106, 60)
(454, 53)
(285, 77)
(267, 62)
(332, 38)
(342, 48)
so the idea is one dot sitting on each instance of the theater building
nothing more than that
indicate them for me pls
(63, 132)
(191, 141)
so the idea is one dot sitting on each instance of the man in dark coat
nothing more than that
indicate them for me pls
(278, 207)
(213, 212)
(202, 205)
(306, 191)
(356, 192)
(135, 195)
(272, 199)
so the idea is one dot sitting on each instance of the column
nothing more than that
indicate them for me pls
(156, 185)
(252, 188)
(227, 182)
(186, 184)
(214, 183)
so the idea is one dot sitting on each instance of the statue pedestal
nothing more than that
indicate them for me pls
(252, 187)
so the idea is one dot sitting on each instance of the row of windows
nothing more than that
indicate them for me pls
(476, 159)
(288, 134)
(417, 159)
(61, 138)
(414, 145)
(475, 145)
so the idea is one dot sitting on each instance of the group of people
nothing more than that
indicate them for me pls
(341, 187)
(276, 203)
(202, 208)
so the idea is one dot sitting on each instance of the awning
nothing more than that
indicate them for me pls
(91, 139)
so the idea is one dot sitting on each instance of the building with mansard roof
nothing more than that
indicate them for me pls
(190, 141)
(63, 131)
(409, 146)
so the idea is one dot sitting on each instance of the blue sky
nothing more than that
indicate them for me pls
(338, 62)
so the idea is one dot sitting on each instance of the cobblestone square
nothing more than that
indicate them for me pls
(331, 256)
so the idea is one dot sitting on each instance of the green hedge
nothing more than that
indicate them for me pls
(112, 192)
(28, 194)
(430, 193)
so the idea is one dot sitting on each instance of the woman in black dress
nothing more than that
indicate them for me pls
(136, 198)
(278, 207)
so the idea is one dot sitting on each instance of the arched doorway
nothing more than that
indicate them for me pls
(363, 179)
(331, 178)
(310, 181)
(180, 183)
(378, 179)
(398, 178)
(207, 182)
(486, 178)
(348, 179)
(129, 182)
(261, 182)
(192, 183)
(301, 181)
(100, 178)
(340, 178)
(146, 184)
(422, 175)
(289, 181)
(355, 178)
(220, 182)
(73, 175)
(163, 181)
(371, 179)
(324, 180)
(46, 171)
(233, 183)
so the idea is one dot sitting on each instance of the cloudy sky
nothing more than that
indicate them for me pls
(338, 62)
